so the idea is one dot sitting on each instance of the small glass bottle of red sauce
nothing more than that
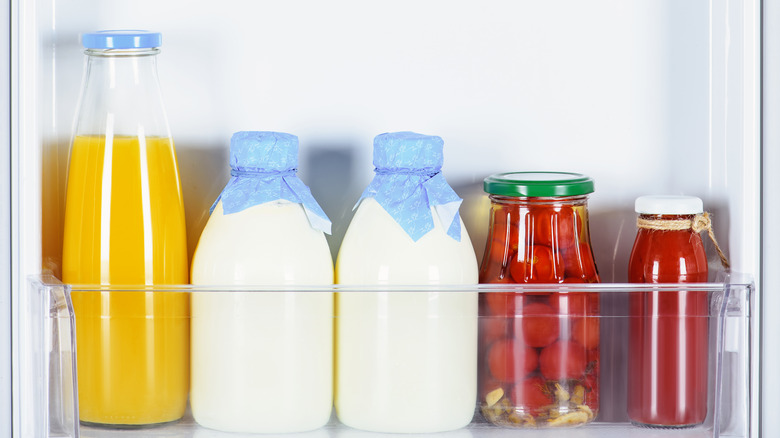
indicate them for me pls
(667, 361)
(539, 351)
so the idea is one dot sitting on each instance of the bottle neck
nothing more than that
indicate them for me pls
(121, 95)
(122, 68)
(666, 217)
(665, 222)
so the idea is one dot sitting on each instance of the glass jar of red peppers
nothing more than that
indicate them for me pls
(668, 329)
(539, 351)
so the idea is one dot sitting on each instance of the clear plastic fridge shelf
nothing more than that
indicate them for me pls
(50, 366)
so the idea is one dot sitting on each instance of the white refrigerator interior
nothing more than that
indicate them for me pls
(6, 381)
(644, 96)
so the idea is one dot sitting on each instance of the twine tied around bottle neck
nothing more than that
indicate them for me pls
(699, 223)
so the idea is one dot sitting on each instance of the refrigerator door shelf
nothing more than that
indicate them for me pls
(49, 363)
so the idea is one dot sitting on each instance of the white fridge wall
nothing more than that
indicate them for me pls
(618, 90)
(645, 96)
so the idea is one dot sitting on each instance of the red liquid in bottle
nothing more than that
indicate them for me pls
(667, 361)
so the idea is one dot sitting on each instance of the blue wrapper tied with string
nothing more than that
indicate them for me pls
(264, 169)
(408, 182)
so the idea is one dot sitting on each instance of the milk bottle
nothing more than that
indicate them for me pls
(262, 360)
(406, 360)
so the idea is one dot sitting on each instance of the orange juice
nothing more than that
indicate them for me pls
(124, 225)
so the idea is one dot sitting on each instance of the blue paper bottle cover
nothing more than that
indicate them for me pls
(264, 168)
(408, 182)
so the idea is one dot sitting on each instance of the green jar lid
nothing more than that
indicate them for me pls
(538, 184)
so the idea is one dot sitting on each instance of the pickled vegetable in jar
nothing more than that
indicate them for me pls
(539, 352)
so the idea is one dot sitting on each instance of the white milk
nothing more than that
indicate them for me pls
(262, 361)
(406, 361)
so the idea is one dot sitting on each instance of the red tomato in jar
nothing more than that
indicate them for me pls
(492, 328)
(543, 266)
(558, 226)
(510, 361)
(578, 264)
(592, 306)
(501, 250)
(575, 303)
(563, 360)
(537, 297)
(593, 355)
(506, 304)
(569, 303)
(493, 273)
(586, 332)
(538, 326)
(506, 215)
(504, 235)
(532, 396)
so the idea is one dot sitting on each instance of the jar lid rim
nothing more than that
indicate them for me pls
(668, 204)
(538, 184)
(121, 39)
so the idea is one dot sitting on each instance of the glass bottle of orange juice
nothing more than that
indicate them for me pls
(124, 235)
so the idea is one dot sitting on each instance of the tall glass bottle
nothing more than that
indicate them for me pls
(124, 225)
(668, 348)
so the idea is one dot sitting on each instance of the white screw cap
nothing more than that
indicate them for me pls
(668, 204)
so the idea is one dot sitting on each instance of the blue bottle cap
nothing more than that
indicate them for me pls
(408, 151)
(264, 169)
(263, 151)
(121, 39)
(408, 182)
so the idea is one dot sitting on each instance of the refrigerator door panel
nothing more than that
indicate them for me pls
(6, 327)
(645, 96)
(770, 235)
